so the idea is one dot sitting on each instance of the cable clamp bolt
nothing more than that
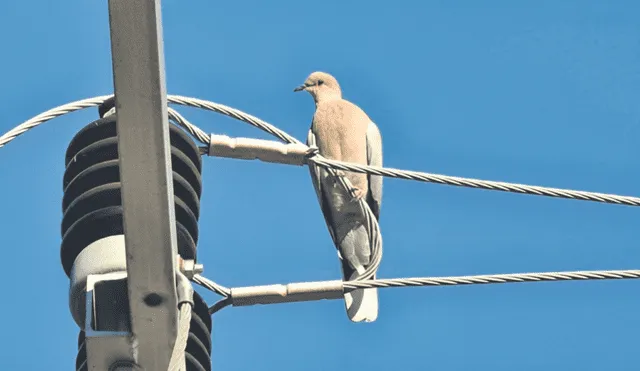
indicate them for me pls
(189, 267)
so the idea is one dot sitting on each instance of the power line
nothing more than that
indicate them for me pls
(300, 154)
(295, 152)
(210, 285)
(327, 290)
(495, 278)
(477, 183)
(319, 160)
(88, 103)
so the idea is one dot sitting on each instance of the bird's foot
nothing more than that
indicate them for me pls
(357, 193)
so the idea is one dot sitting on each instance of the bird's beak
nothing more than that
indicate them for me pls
(299, 88)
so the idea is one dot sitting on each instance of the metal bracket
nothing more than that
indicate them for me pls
(106, 348)
(146, 177)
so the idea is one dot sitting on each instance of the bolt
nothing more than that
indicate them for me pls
(198, 268)
(188, 267)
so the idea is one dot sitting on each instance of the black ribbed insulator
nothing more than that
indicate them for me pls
(198, 352)
(92, 205)
(81, 358)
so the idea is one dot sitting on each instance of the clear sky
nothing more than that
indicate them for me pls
(538, 92)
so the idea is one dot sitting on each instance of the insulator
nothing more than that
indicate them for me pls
(92, 229)
(92, 221)
(92, 205)
(198, 351)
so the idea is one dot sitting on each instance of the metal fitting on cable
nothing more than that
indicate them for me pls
(264, 150)
(293, 292)
(184, 289)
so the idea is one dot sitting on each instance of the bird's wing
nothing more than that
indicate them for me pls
(316, 177)
(374, 158)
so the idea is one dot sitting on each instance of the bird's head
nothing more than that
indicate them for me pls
(321, 86)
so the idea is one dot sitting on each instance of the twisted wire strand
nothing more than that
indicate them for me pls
(177, 361)
(476, 183)
(49, 115)
(318, 290)
(212, 286)
(320, 161)
(493, 278)
(64, 109)
(234, 113)
(195, 131)
(411, 175)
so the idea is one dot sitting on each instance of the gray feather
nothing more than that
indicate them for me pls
(316, 173)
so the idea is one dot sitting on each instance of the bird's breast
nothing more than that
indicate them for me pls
(340, 129)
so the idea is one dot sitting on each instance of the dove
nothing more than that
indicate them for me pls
(342, 131)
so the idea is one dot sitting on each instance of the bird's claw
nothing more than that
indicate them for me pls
(357, 193)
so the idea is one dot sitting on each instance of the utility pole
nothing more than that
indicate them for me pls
(145, 173)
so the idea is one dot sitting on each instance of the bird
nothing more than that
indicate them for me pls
(342, 131)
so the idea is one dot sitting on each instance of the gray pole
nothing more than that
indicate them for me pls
(146, 177)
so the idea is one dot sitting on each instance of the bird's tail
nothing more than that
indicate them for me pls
(362, 304)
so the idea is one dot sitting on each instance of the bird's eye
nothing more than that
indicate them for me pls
(320, 82)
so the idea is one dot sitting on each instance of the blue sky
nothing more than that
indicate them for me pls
(543, 92)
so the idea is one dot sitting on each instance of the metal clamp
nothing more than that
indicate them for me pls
(189, 267)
